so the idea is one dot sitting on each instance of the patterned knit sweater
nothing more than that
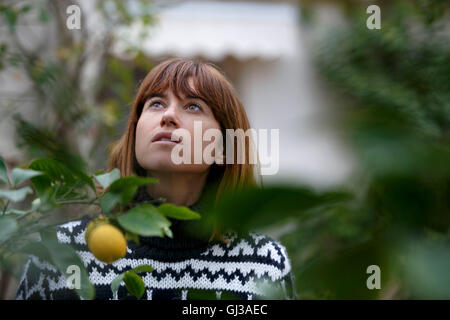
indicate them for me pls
(185, 267)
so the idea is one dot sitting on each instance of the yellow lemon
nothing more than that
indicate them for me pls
(94, 223)
(107, 243)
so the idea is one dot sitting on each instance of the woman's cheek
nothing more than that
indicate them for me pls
(142, 140)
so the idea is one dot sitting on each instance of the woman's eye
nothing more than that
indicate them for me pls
(194, 107)
(156, 105)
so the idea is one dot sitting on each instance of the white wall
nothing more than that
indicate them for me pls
(283, 95)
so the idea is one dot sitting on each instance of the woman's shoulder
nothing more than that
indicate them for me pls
(253, 247)
(257, 256)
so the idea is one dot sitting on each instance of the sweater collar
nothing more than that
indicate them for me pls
(183, 237)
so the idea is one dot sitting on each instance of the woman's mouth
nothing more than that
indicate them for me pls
(166, 141)
(166, 138)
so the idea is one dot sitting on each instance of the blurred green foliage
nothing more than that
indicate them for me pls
(395, 114)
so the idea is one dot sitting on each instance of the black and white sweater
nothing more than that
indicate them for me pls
(185, 268)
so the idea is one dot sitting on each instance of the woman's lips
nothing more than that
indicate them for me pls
(166, 138)
(165, 142)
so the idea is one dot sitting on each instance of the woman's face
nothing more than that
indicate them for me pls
(164, 114)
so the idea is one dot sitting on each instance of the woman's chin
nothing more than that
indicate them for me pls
(166, 165)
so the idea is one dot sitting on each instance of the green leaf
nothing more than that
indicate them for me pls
(45, 191)
(67, 193)
(42, 185)
(256, 208)
(178, 212)
(121, 191)
(127, 187)
(59, 172)
(168, 232)
(16, 195)
(109, 201)
(49, 234)
(7, 227)
(3, 172)
(134, 284)
(106, 179)
(116, 283)
(81, 175)
(63, 256)
(424, 266)
(19, 175)
(54, 169)
(144, 220)
(37, 249)
(126, 182)
(118, 279)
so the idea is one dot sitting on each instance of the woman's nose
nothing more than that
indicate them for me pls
(170, 117)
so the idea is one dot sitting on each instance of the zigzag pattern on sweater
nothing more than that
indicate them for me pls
(258, 248)
(243, 266)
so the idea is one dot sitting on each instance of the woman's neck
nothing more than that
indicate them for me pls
(182, 189)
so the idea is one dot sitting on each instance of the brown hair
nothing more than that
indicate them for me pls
(211, 85)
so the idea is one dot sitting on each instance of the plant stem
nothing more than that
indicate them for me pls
(78, 202)
(71, 189)
(6, 207)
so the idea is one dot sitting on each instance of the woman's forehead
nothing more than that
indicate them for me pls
(183, 90)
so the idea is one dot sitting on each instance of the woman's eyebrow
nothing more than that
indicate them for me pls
(163, 96)
(157, 95)
(196, 98)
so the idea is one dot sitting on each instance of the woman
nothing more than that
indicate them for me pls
(177, 95)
